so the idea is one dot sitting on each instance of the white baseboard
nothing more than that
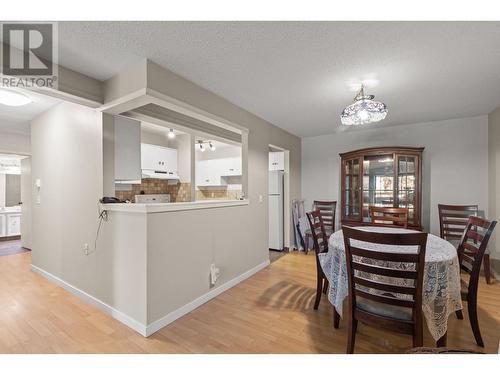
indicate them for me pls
(176, 314)
(494, 273)
(160, 323)
(118, 315)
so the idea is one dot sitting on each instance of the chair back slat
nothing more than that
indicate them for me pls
(469, 248)
(383, 271)
(389, 216)
(385, 287)
(456, 222)
(327, 210)
(477, 237)
(454, 218)
(384, 299)
(394, 257)
(363, 269)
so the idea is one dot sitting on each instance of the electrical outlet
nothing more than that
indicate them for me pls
(214, 274)
(86, 249)
(260, 198)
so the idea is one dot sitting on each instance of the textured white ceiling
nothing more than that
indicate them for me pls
(298, 75)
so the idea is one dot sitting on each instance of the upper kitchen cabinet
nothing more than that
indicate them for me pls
(277, 161)
(211, 172)
(158, 160)
(127, 149)
(208, 173)
(229, 166)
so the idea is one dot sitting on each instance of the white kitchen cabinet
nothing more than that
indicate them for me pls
(207, 173)
(210, 172)
(277, 161)
(127, 149)
(157, 158)
(170, 157)
(3, 224)
(13, 224)
(229, 166)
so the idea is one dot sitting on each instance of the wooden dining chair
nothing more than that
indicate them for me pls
(320, 241)
(470, 254)
(452, 222)
(389, 216)
(383, 304)
(320, 245)
(327, 210)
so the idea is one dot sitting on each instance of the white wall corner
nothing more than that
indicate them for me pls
(176, 314)
(105, 308)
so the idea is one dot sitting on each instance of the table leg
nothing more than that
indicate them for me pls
(442, 341)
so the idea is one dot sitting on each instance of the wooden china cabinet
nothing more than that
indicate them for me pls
(382, 177)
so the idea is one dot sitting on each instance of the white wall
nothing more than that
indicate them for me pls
(14, 143)
(67, 158)
(455, 162)
(494, 181)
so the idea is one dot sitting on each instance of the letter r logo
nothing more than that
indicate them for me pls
(27, 49)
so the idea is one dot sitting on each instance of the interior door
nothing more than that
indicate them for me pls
(26, 199)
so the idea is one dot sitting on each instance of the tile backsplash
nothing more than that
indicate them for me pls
(217, 194)
(180, 192)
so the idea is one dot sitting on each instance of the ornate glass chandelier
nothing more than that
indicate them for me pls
(364, 110)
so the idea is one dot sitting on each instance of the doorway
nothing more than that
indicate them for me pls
(15, 203)
(279, 205)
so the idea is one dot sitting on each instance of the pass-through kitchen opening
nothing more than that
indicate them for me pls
(173, 164)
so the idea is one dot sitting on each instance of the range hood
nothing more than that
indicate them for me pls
(148, 173)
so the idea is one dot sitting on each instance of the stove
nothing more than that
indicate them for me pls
(152, 198)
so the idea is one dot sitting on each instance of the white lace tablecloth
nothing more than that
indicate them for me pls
(441, 276)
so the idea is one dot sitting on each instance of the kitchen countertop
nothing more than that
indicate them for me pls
(174, 206)
(10, 210)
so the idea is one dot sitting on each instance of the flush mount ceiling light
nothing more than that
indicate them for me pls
(364, 110)
(13, 98)
(171, 134)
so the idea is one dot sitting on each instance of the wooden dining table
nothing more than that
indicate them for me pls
(441, 284)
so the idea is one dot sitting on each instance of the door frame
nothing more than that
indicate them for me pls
(287, 204)
(27, 156)
(27, 201)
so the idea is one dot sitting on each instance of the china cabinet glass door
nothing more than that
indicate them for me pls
(407, 183)
(378, 182)
(352, 190)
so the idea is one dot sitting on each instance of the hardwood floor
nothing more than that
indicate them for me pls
(11, 247)
(269, 313)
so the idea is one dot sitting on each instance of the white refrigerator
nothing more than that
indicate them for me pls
(276, 210)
